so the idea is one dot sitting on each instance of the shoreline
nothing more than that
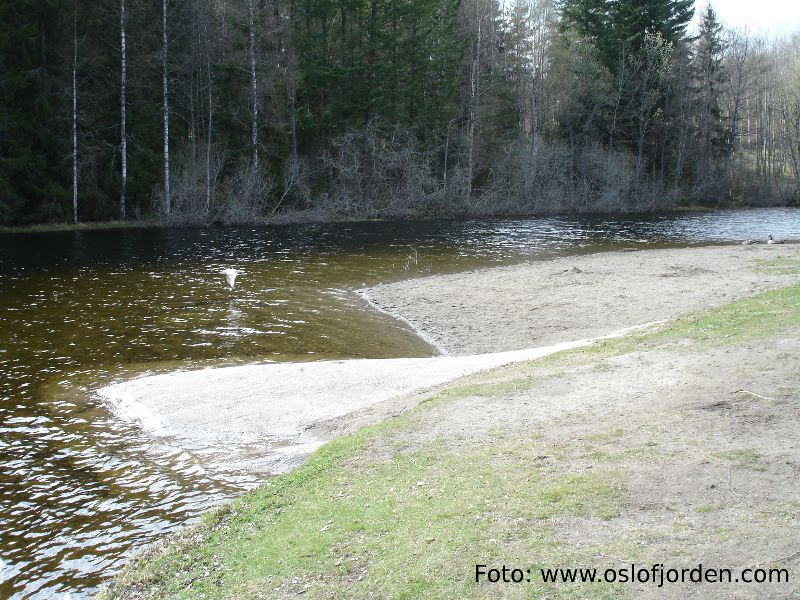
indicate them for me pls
(311, 217)
(306, 404)
(285, 411)
(364, 294)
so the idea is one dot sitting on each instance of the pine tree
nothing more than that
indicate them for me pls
(35, 60)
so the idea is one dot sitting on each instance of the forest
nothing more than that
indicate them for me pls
(241, 111)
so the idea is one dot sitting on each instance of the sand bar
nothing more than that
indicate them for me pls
(282, 400)
(577, 297)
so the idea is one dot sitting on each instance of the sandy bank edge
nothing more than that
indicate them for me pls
(539, 303)
(268, 406)
(419, 331)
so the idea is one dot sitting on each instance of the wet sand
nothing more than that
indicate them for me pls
(286, 402)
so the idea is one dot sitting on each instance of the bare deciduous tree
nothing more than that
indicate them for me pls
(123, 112)
(75, 112)
(165, 77)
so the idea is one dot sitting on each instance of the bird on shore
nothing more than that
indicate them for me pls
(773, 241)
(749, 242)
(230, 276)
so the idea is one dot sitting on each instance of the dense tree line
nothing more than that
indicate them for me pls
(238, 110)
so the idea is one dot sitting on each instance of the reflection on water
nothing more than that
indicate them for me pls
(78, 490)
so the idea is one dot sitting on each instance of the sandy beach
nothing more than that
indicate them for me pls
(577, 297)
(482, 319)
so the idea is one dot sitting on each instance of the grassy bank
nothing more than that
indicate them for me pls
(93, 226)
(407, 507)
(297, 217)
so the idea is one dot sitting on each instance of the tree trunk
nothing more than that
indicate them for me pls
(210, 125)
(194, 83)
(75, 113)
(473, 99)
(295, 166)
(123, 114)
(165, 75)
(253, 84)
(292, 72)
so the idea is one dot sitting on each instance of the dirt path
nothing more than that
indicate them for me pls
(542, 303)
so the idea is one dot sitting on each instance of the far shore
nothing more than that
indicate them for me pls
(311, 216)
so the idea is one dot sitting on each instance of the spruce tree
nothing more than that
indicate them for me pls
(710, 78)
(618, 27)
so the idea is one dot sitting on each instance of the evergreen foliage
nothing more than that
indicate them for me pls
(462, 84)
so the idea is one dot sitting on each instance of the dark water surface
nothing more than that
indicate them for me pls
(80, 491)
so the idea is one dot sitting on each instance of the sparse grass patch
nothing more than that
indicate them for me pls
(757, 317)
(751, 318)
(779, 266)
(607, 436)
(744, 457)
(495, 388)
(596, 494)
(611, 454)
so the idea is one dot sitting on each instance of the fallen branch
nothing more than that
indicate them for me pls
(753, 394)
(785, 559)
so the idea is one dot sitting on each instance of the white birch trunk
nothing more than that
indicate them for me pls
(446, 151)
(123, 114)
(295, 162)
(210, 127)
(473, 99)
(165, 40)
(75, 113)
(194, 83)
(253, 84)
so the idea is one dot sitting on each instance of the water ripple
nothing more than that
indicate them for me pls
(80, 491)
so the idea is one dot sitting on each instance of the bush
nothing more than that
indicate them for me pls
(373, 173)
(245, 195)
(549, 177)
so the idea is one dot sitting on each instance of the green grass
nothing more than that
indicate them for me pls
(753, 318)
(743, 457)
(419, 521)
(518, 381)
(377, 513)
(758, 317)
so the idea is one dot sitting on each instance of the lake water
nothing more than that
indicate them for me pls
(80, 491)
